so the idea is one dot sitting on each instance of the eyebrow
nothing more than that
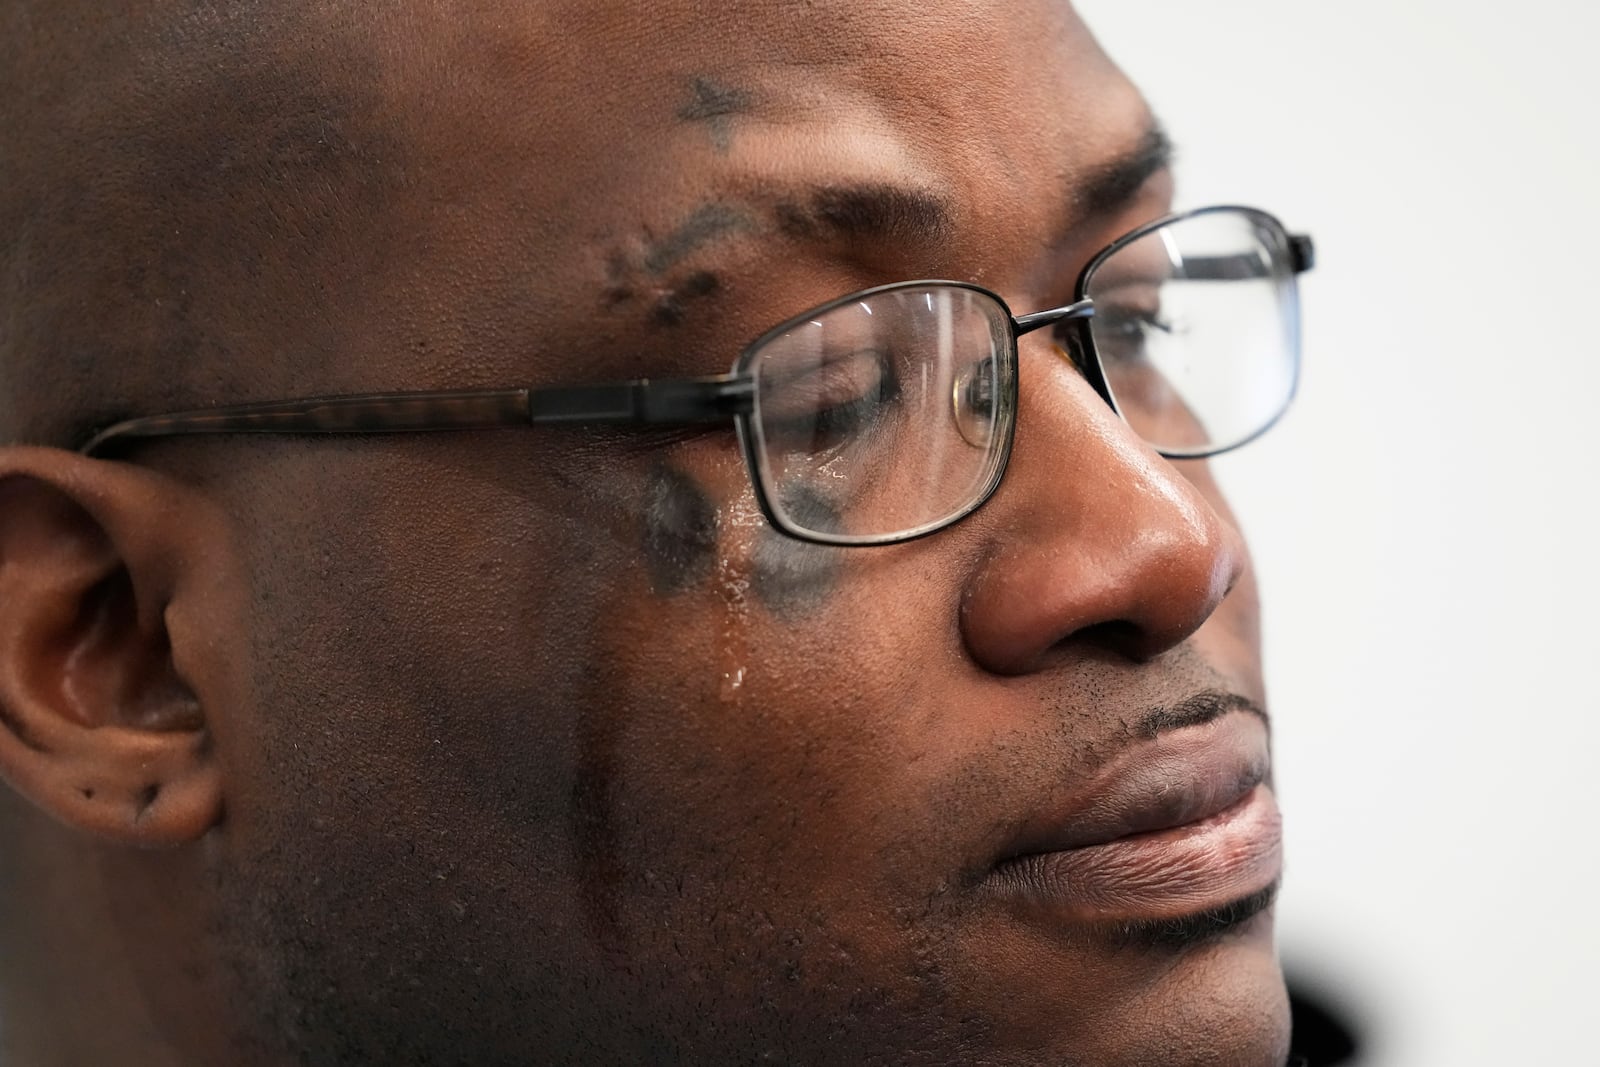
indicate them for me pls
(1111, 186)
(881, 210)
(867, 209)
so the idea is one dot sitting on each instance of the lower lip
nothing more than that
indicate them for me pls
(1166, 874)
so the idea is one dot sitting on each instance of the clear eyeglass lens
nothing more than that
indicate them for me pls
(885, 415)
(1197, 329)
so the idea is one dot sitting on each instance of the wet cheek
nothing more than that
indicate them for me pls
(690, 542)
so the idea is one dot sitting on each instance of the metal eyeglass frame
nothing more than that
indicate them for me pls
(678, 401)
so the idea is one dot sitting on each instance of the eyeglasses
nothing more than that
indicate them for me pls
(888, 414)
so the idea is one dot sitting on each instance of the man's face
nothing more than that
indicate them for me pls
(545, 743)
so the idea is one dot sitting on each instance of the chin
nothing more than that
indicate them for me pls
(1194, 992)
(1220, 1001)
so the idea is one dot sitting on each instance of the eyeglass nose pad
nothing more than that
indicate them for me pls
(972, 403)
(1078, 361)
(1070, 355)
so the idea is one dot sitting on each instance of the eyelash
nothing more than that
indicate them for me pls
(1126, 320)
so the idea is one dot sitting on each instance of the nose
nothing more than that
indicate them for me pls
(1096, 539)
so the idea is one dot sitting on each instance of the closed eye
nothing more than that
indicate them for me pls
(1120, 332)
(829, 402)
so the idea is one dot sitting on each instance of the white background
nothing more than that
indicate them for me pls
(1424, 521)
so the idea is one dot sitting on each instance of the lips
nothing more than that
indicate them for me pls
(1176, 825)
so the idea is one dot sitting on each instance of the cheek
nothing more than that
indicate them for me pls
(794, 579)
(685, 517)
(435, 693)
(681, 522)
(441, 627)
(747, 712)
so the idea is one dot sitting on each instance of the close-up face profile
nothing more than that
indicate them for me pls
(793, 621)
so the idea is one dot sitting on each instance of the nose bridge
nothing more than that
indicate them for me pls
(1098, 538)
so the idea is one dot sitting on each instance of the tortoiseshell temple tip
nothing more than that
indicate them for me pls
(356, 414)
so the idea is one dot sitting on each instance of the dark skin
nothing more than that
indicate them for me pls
(680, 532)
(716, 106)
(540, 746)
(791, 579)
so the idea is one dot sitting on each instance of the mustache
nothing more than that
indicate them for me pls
(1196, 710)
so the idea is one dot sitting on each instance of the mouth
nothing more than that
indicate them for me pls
(1177, 839)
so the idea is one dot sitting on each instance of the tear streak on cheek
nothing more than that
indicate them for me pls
(683, 528)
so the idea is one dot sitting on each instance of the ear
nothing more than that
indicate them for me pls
(98, 724)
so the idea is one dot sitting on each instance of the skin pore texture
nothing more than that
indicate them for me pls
(541, 746)
(715, 105)
(680, 532)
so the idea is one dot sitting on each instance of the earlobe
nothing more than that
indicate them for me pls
(98, 726)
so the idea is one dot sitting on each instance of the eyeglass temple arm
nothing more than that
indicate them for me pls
(1302, 258)
(674, 400)
(684, 400)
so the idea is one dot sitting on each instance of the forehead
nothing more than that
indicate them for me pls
(637, 143)
(939, 86)
(613, 108)
(452, 189)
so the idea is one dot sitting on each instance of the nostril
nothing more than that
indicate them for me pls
(1119, 636)
(1138, 641)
